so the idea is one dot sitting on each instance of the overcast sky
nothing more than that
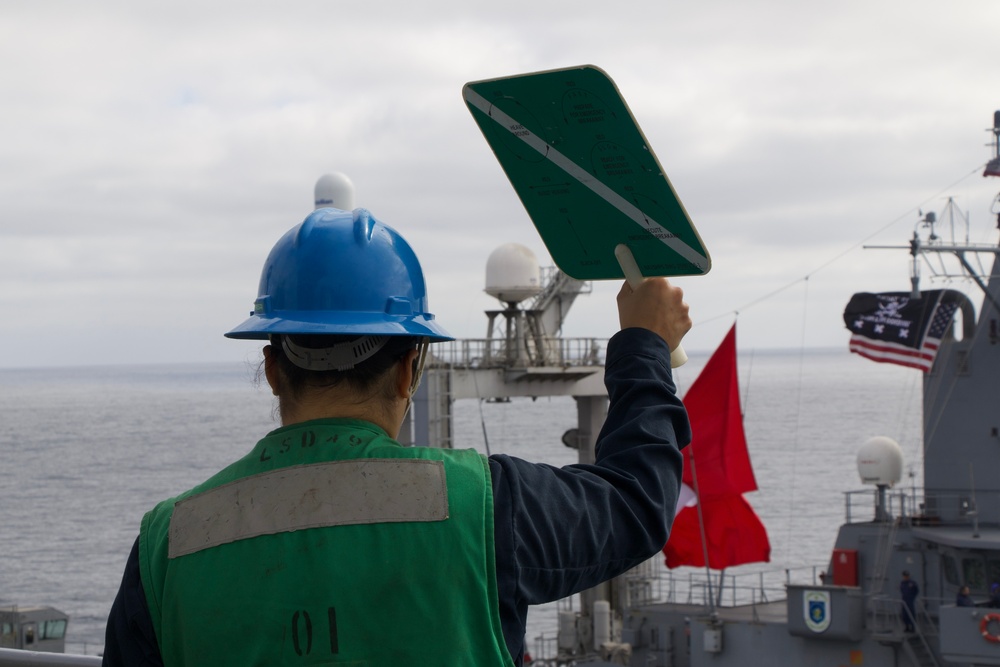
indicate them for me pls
(151, 156)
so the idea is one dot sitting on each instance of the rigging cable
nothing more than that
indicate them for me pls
(798, 417)
(842, 253)
(746, 395)
(482, 417)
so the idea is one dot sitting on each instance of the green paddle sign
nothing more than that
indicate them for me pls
(585, 173)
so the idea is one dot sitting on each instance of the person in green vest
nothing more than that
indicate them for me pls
(331, 543)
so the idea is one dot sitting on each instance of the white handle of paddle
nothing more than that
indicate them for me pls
(634, 277)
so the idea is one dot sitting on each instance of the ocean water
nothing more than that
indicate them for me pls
(86, 451)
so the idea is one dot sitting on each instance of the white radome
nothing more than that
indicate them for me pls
(512, 273)
(880, 461)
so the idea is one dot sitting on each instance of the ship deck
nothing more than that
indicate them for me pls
(766, 612)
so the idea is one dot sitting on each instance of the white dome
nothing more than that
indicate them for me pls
(334, 190)
(880, 461)
(512, 273)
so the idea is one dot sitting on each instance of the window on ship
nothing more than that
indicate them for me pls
(993, 571)
(974, 572)
(54, 629)
(6, 634)
(950, 569)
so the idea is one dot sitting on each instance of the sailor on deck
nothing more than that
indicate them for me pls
(908, 590)
(330, 541)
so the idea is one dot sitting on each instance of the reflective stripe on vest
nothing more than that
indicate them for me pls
(319, 495)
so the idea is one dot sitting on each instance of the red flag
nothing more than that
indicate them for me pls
(733, 531)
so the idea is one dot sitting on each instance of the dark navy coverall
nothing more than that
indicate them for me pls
(558, 531)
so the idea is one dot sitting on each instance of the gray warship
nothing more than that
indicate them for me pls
(845, 611)
(849, 610)
(38, 628)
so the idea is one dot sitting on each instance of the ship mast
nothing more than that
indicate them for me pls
(961, 431)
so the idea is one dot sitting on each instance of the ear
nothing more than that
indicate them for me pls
(404, 375)
(271, 371)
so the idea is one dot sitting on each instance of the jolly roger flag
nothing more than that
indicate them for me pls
(895, 328)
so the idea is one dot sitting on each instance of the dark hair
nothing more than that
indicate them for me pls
(363, 378)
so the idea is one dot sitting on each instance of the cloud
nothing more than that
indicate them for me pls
(150, 156)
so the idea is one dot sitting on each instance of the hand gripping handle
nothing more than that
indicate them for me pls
(634, 277)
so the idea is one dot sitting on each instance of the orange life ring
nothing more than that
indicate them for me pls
(984, 628)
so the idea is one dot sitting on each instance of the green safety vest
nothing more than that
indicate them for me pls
(329, 544)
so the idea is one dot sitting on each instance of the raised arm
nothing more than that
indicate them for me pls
(570, 528)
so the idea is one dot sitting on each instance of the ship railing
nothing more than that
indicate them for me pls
(753, 586)
(885, 615)
(648, 584)
(496, 353)
(10, 657)
(938, 509)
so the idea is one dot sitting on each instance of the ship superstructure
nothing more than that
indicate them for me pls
(850, 610)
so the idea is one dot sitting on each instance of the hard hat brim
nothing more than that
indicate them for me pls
(257, 327)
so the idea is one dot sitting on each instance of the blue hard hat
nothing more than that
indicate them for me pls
(341, 273)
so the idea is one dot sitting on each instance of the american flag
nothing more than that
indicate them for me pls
(893, 327)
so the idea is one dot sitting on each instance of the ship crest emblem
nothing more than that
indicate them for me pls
(817, 610)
